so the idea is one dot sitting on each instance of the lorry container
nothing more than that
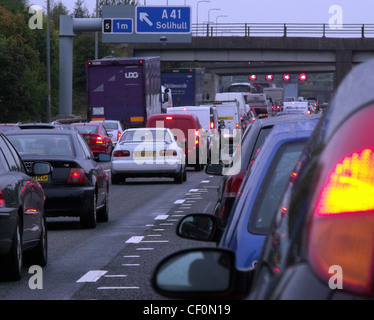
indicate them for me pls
(187, 85)
(125, 89)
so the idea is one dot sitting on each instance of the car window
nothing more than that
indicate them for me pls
(85, 148)
(273, 187)
(42, 145)
(13, 164)
(88, 129)
(110, 125)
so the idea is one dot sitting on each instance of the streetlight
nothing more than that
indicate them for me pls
(219, 16)
(197, 14)
(209, 13)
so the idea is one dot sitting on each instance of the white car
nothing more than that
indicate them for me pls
(148, 152)
(113, 127)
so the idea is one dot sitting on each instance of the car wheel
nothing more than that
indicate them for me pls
(13, 262)
(179, 177)
(88, 219)
(185, 173)
(103, 213)
(114, 178)
(39, 255)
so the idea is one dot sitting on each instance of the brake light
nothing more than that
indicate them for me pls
(212, 125)
(169, 118)
(168, 153)
(121, 153)
(196, 137)
(76, 176)
(233, 184)
(2, 199)
(99, 140)
(119, 136)
(342, 212)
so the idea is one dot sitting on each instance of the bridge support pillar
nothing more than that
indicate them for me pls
(343, 62)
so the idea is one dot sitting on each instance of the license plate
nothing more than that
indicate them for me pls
(140, 154)
(43, 178)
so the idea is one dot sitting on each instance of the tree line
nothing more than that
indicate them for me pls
(23, 72)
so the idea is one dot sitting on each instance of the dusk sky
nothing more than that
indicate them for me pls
(250, 11)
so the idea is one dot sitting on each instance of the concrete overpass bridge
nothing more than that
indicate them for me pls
(232, 49)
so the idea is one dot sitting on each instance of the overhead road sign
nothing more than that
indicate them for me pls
(150, 24)
(165, 20)
(119, 25)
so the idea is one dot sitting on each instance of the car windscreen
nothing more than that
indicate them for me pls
(42, 145)
(110, 125)
(88, 129)
(145, 135)
(273, 186)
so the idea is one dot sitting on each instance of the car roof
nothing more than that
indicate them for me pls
(344, 103)
(40, 131)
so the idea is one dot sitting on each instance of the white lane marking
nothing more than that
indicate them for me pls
(115, 276)
(193, 190)
(92, 276)
(153, 235)
(135, 239)
(179, 201)
(154, 241)
(162, 217)
(144, 249)
(116, 288)
(130, 264)
(158, 229)
(205, 181)
(132, 256)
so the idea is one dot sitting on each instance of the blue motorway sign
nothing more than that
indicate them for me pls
(164, 20)
(117, 25)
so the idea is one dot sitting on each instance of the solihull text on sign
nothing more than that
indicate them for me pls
(164, 20)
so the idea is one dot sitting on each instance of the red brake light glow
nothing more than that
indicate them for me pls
(76, 176)
(340, 231)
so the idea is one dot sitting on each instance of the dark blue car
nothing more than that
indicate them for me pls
(262, 189)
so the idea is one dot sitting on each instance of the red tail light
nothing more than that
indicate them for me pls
(119, 136)
(168, 153)
(121, 153)
(2, 199)
(196, 137)
(341, 228)
(99, 140)
(76, 176)
(212, 126)
(233, 184)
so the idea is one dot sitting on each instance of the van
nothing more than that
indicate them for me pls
(238, 96)
(207, 115)
(228, 112)
(188, 132)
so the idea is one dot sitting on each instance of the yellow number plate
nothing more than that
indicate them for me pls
(139, 154)
(42, 178)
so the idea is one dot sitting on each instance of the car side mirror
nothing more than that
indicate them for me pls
(195, 272)
(199, 226)
(215, 168)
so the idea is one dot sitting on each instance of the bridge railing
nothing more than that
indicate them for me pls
(282, 30)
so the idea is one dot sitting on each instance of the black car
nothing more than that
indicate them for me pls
(321, 242)
(22, 218)
(78, 186)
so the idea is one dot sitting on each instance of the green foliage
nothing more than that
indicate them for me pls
(23, 89)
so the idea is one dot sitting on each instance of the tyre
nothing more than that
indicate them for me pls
(88, 219)
(103, 213)
(179, 177)
(114, 178)
(13, 262)
(185, 173)
(39, 254)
